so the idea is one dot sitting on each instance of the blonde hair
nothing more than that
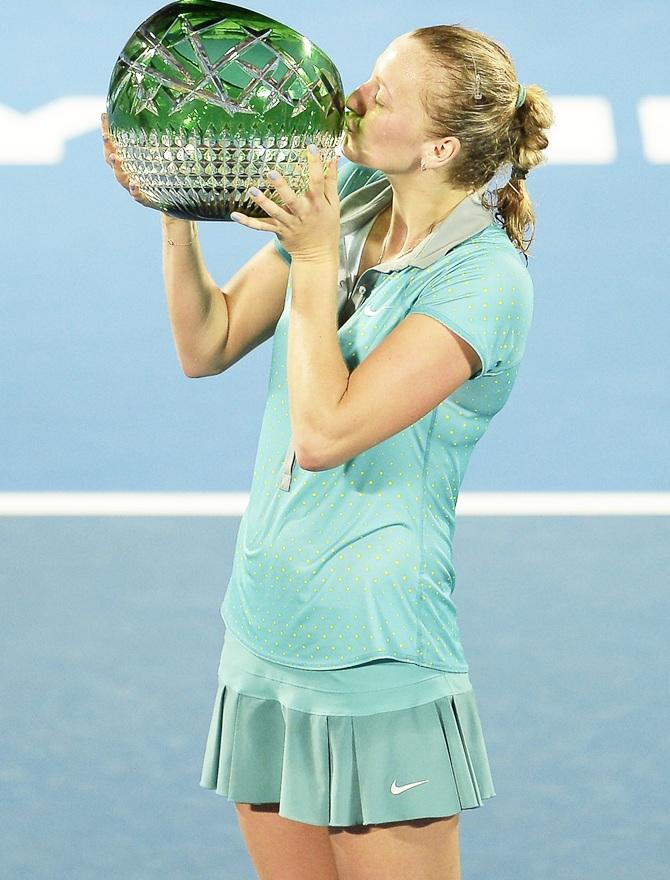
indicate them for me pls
(471, 94)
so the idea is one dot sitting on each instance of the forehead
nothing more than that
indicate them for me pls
(400, 65)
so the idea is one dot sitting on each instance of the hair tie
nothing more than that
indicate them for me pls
(521, 97)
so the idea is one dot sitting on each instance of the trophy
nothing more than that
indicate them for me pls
(206, 98)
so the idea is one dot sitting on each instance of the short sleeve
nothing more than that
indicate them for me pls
(485, 296)
(346, 176)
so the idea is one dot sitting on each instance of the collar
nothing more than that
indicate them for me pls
(467, 219)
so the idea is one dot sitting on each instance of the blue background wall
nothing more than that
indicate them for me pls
(93, 397)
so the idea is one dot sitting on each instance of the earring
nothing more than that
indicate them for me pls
(423, 165)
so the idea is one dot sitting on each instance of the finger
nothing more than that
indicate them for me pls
(119, 173)
(105, 128)
(251, 222)
(138, 195)
(315, 171)
(108, 147)
(288, 196)
(108, 141)
(331, 179)
(115, 164)
(270, 207)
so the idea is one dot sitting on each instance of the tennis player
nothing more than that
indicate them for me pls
(396, 289)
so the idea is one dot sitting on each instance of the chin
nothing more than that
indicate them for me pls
(349, 151)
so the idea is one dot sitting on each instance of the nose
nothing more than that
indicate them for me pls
(356, 101)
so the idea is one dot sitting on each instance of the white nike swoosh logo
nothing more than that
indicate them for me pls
(398, 789)
(368, 310)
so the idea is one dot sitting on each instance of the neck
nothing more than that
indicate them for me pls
(416, 205)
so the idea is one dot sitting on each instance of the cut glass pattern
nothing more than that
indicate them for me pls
(206, 98)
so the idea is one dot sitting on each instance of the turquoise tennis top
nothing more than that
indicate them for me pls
(339, 567)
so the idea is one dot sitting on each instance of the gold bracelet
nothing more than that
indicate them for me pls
(180, 243)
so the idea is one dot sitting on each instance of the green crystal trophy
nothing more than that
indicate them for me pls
(207, 98)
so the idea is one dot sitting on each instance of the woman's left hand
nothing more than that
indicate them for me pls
(307, 226)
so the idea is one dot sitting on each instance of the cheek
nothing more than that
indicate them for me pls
(396, 131)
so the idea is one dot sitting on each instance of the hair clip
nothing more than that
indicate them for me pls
(478, 81)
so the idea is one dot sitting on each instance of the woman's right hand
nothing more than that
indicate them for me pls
(109, 152)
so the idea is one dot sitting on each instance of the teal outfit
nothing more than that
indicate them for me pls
(335, 567)
(343, 691)
(379, 742)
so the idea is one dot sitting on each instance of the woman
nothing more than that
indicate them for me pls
(345, 726)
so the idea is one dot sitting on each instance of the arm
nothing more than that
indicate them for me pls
(195, 303)
(196, 306)
(216, 327)
(317, 373)
(471, 317)
(212, 327)
(418, 364)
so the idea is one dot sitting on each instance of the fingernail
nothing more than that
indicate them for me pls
(313, 149)
(235, 216)
(255, 191)
(274, 175)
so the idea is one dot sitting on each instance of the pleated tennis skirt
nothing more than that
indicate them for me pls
(383, 741)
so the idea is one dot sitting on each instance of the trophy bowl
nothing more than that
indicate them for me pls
(207, 98)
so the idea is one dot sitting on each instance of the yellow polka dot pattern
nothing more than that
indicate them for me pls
(355, 563)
